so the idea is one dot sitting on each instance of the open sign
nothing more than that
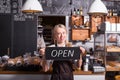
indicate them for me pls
(62, 53)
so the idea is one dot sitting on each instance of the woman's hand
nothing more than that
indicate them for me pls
(44, 62)
(42, 51)
(79, 61)
(83, 50)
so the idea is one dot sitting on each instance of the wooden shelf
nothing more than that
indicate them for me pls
(113, 49)
(80, 34)
(113, 66)
(113, 19)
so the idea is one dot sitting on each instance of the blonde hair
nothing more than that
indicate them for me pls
(55, 28)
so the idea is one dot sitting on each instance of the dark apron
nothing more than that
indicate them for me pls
(62, 70)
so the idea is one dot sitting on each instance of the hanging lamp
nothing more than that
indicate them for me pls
(32, 6)
(98, 7)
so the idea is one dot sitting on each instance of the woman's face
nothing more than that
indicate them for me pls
(60, 35)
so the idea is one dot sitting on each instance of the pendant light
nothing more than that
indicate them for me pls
(97, 7)
(32, 6)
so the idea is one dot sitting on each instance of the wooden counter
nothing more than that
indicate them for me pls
(77, 72)
(40, 75)
(42, 72)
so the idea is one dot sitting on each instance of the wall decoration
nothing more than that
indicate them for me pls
(64, 7)
(16, 6)
(5, 6)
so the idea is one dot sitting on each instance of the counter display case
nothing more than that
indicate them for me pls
(99, 50)
(113, 51)
(112, 54)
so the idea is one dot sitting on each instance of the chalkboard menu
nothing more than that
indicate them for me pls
(18, 30)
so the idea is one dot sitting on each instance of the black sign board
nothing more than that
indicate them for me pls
(62, 53)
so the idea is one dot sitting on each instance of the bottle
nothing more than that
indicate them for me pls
(85, 66)
(81, 11)
(114, 12)
(87, 57)
(91, 58)
(87, 62)
(91, 53)
(78, 12)
(111, 12)
(71, 13)
(74, 12)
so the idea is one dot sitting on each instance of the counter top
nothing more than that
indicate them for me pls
(77, 72)
(28, 75)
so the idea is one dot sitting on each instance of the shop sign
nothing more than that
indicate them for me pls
(62, 53)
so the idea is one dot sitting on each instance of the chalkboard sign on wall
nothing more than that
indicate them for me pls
(5, 34)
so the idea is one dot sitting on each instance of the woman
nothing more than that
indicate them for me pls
(62, 69)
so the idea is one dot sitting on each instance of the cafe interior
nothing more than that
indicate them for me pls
(26, 27)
